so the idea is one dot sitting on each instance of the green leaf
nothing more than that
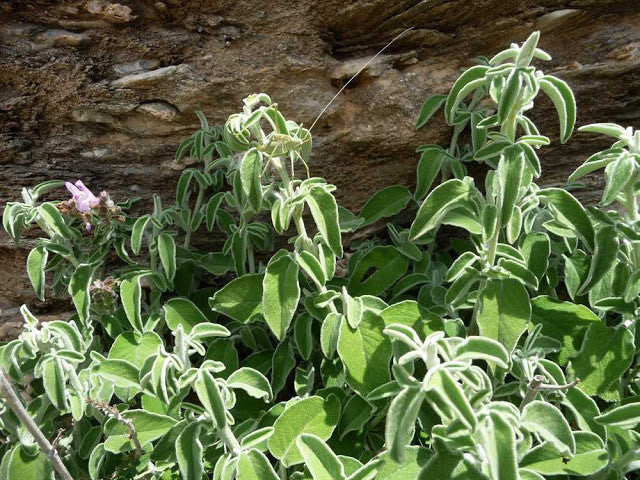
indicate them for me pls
(411, 314)
(606, 251)
(385, 203)
(319, 458)
(415, 458)
(252, 382)
(357, 411)
(606, 353)
(365, 353)
(254, 465)
(209, 395)
(518, 271)
(564, 101)
(280, 292)
(510, 96)
(26, 465)
(134, 347)
(211, 209)
(443, 386)
(499, 442)
(611, 129)
(329, 334)
(149, 427)
(479, 348)
(238, 243)
(131, 297)
(250, 170)
(282, 363)
(366, 472)
(504, 312)
(79, 287)
(431, 105)
(401, 419)
(54, 381)
(376, 270)
(626, 416)
(590, 457)
(571, 213)
(444, 197)
(54, 219)
(564, 321)
(325, 215)
(510, 175)
(584, 410)
(302, 332)
(314, 415)
(137, 233)
(470, 79)
(618, 174)
(182, 311)
(121, 373)
(189, 452)
(548, 422)
(167, 251)
(536, 248)
(257, 437)
(312, 267)
(240, 299)
(349, 222)
(96, 460)
(447, 464)
(527, 50)
(428, 168)
(36, 264)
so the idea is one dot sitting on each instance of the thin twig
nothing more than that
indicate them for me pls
(535, 385)
(115, 413)
(13, 401)
(356, 74)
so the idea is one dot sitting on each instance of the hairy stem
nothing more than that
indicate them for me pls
(230, 440)
(13, 401)
(113, 412)
(536, 384)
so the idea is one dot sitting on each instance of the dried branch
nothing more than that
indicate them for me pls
(535, 385)
(10, 396)
(113, 412)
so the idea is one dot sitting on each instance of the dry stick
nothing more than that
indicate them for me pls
(356, 74)
(13, 401)
(535, 385)
(115, 413)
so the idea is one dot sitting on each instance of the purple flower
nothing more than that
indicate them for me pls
(83, 198)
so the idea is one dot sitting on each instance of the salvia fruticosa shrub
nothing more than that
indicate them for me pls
(504, 351)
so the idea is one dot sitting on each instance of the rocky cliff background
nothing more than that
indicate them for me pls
(104, 91)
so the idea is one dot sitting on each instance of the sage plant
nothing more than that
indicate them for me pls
(506, 350)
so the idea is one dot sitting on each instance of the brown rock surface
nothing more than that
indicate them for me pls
(104, 91)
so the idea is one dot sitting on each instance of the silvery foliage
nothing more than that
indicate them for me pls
(507, 353)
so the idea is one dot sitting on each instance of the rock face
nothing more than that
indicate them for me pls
(105, 91)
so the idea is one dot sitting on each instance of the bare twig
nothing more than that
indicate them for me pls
(535, 385)
(113, 412)
(10, 396)
(59, 436)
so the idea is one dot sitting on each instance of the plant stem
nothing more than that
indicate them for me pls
(187, 237)
(535, 385)
(13, 401)
(115, 413)
(297, 217)
(230, 440)
(628, 457)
